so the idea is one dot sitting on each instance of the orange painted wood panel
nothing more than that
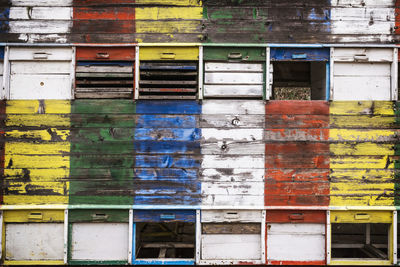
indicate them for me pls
(297, 121)
(297, 157)
(295, 216)
(294, 107)
(105, 13)
(105, 53)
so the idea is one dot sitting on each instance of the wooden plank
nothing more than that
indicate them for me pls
(384, 108)
(225, 161)
(293, 107)
(371, 54)
(239, 216)
(313, 135)
(231, 121)
(232, 148)
(301, 54)
(104, 13)
(49, 68)
(233, 90)
(361, 216)
(296, 121)
(34, 241)
(164, 216)
(23, 216)
(301, 216)
(158, 53)
(2, 146)
(41, 13)
(44, 53)
(295, 242)
(232, 67)
(238, 107)
(373, 88)
(230, 228)
(99, 241)
(233, 78)
(362, 135)
(230, 247)
(363, 122)
(41, 86)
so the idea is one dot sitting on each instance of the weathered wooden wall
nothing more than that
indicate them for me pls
(102, 152)
(167, 153)
(363, 137)
(37, 160)
(232, 170)
(217, 21)
(297, 153)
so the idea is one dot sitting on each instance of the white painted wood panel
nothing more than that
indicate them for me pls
(248, 188)
(362, 3)
(233, 107)
(40, 53)
(233, 175)
(41, 3)
(40, 26)
(228, 161)
(214, 134)
(233, 200)
(362, 69)
(362, 88)
(233, 90)
(48, 38)
(233, 148)
(371, 54)
(240, 67)
(54, 13)
(34, 241)
(100, 241)
(361, 27)
(231, 247)
(296, 242)
(364, 13)
(102, 69)
(32, 67)
(232, 121)
(40, 87)
(233, 78)
(217, 216)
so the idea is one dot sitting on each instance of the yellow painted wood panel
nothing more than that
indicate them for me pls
(361, 149)
(39, 175)
(178, 53)
(38, 120)
(168, 27)
(360, 262)
(33, 262)
(23, 148)
(362, 121)
(162, 13)
(353, 216)
(359, 175)
(361, 162)
(362, 108)
(38, 107)
(37, 161)
(198, 3)
(34, 215)
(50, 134)
(361, 135)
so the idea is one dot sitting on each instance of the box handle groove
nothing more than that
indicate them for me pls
(361, 57)
(168, 56)
(99, 216)
(103, 55)
(362, 216)
(231, 215)
(235, 55)
(35, 216)
(299, 56)
(167, 216)
(296, 216)
(40, 55)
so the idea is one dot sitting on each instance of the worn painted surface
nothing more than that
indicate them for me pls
(2, 148)
(167, 146)
(232, 147)
(362, 148)
(297, 153)
(102, 152)
(103, 21)
(36, 152)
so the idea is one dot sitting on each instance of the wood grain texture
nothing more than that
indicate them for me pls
(297, 153)
(2, 150)
(362, 153)
(102, 148)
(36, 165)
(233, 153)
(162, 147)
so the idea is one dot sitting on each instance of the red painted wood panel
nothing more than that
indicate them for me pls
(297, 121)
(2, 147)
(95, 21)
(295, 216)
(297, 153)
(297, 107)
(105, 13)
(105, 53)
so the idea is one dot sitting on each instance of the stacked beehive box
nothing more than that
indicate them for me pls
(184, 132)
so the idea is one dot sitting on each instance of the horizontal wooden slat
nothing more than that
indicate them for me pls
(231, 228)
(298, 216)
(218, 216)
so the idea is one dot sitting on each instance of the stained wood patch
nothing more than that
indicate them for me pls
(231, 228)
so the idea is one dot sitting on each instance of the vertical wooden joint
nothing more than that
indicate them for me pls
(328, 237)
(73, 71)
(394, 238)
(66, 236)
(268, 74)
(395, 75)
(137, 73)
(130, 239)
(331, 63)
(201, 73)
(198, 237)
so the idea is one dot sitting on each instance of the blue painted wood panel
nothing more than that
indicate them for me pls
(166, 153)
(164, 216)
(300, 54)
